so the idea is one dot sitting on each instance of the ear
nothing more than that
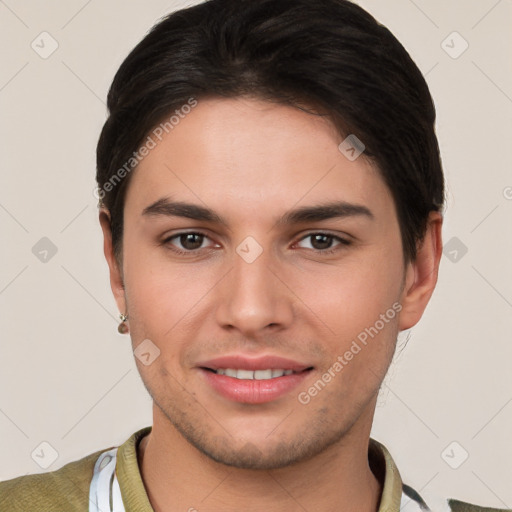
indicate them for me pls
(116, 274)
(421, 274)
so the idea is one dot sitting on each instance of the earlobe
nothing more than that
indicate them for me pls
(116, 276)
(421, 274)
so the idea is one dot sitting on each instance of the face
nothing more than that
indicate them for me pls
(267, 270)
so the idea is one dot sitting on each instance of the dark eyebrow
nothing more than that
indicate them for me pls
(324, 211)
(329, 210)
(166, 207)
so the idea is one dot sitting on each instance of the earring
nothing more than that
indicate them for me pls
(123, 328)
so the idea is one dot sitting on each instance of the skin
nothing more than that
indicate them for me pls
(251, 161)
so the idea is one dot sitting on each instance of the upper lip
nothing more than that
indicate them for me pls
(243, 362)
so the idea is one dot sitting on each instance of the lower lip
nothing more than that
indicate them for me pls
(251, 391)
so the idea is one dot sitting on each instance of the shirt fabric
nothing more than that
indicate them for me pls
(116, 470)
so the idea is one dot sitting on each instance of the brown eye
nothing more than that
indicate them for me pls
(191, 241)
(323, 242)
(183, 243)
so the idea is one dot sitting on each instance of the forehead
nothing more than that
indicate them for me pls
(253, 155)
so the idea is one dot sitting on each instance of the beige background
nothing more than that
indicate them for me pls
(68, 379)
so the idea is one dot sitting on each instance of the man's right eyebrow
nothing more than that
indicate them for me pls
(168, 208)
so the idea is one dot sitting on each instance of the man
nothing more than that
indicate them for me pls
(270, 197)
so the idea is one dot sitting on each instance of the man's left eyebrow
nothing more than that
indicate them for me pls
(330, 210)
(301, 215)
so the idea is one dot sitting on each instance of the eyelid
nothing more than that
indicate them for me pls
(345, 237)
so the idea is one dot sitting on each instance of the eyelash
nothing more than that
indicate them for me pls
(323, 252)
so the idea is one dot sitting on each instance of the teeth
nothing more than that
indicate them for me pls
(263, 374)
(244, 374)
(250, 375)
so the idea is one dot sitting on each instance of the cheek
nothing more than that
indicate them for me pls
(362, 317)
(357, 303)
(352, 296)
(164, 299)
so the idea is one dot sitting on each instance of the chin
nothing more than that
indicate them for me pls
(274, 455)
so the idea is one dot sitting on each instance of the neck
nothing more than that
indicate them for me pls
(178, 477)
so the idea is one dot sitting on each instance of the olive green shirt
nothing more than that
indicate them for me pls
(67, 489)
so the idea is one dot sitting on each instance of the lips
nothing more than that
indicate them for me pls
(253, 380)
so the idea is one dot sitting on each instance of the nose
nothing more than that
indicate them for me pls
(254, 297)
